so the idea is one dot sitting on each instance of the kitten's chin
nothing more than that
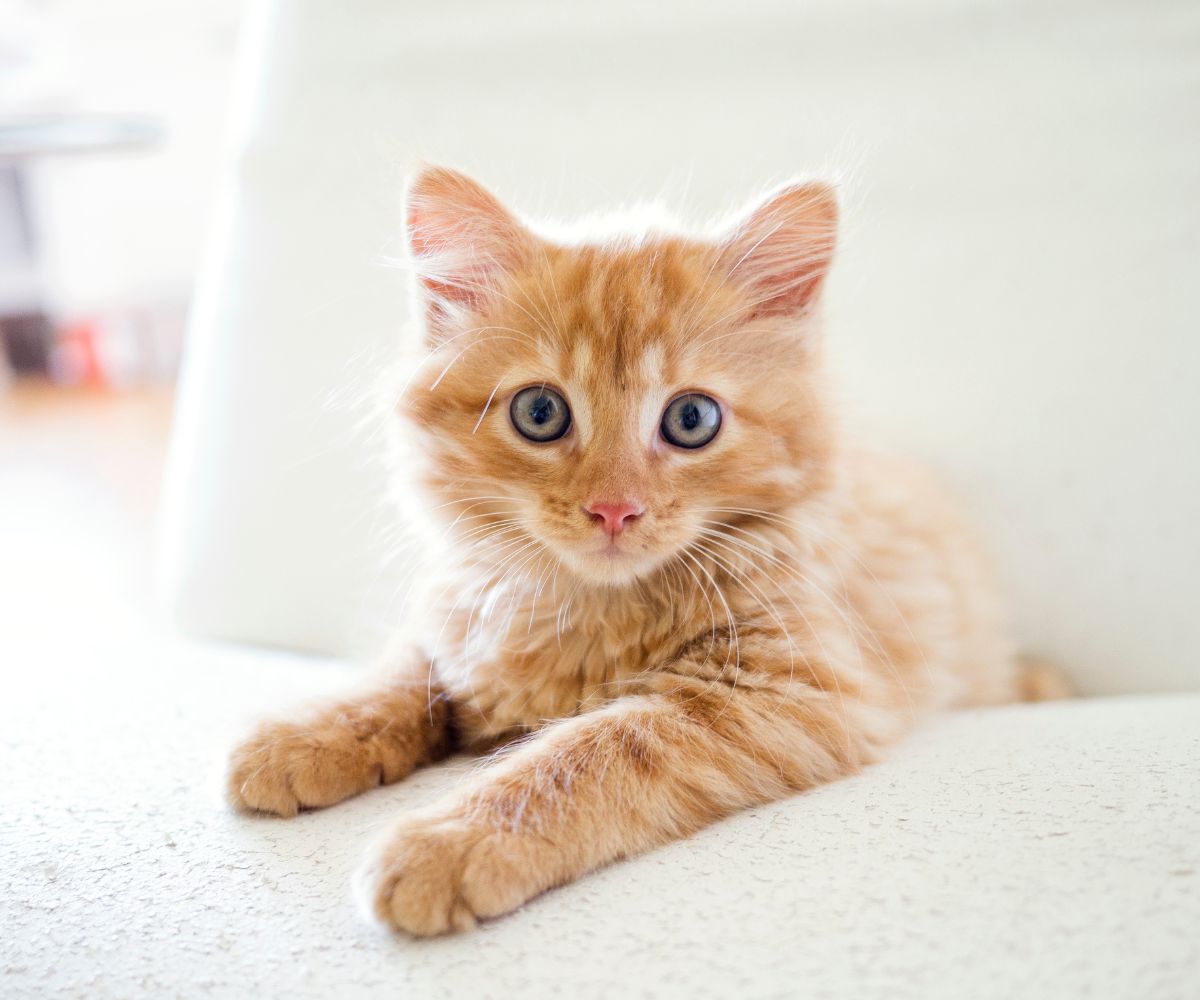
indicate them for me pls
(611, 566)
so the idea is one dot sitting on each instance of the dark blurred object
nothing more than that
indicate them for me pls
(26, 340)
(26, 328)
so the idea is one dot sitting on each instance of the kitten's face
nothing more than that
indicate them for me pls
(607, 403)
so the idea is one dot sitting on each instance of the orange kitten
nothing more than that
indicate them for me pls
(669, 574)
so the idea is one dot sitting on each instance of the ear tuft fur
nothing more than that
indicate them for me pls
(462, 242)
(781, 250)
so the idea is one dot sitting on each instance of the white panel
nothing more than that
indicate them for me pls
(1016, 302)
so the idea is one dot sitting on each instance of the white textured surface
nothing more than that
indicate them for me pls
(1038, 852)
(1015, 301)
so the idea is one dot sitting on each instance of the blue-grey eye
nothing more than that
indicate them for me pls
(540, 414)
(691, 420)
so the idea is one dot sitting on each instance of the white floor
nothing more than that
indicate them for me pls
(1036, 852)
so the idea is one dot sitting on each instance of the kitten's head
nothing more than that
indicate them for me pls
(609, 401)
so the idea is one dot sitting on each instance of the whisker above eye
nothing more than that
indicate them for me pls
(453, 361)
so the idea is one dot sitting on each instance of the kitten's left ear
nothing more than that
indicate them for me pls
(781, 251)
(462, 241)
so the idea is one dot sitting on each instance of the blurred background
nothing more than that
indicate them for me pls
(112, 117)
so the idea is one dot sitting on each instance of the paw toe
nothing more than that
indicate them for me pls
(501, 872)
(255, 784)
(436, 875)
(284, 768)
(413, 882)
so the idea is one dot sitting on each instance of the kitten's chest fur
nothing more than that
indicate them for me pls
(514, 658)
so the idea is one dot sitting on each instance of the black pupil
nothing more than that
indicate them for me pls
(689, 416)
(541, 409)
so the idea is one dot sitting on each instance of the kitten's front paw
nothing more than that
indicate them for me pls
(433, 875)
(285, 767)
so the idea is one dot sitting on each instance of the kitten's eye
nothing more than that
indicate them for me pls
(540, 414)
(691, 421)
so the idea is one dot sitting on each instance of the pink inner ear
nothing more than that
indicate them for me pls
(445, 249)
(461, 238)
(778, 294)
(782, 251)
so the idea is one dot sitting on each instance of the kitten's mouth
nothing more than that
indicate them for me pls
(611, 561)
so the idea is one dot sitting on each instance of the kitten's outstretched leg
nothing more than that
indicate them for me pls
(342, 748)
(642, 771)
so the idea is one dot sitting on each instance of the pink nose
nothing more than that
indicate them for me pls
(615, 516)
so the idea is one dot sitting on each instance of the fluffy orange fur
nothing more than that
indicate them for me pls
(784, 606)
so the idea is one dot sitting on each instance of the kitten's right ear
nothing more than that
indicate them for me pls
(462, 242)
